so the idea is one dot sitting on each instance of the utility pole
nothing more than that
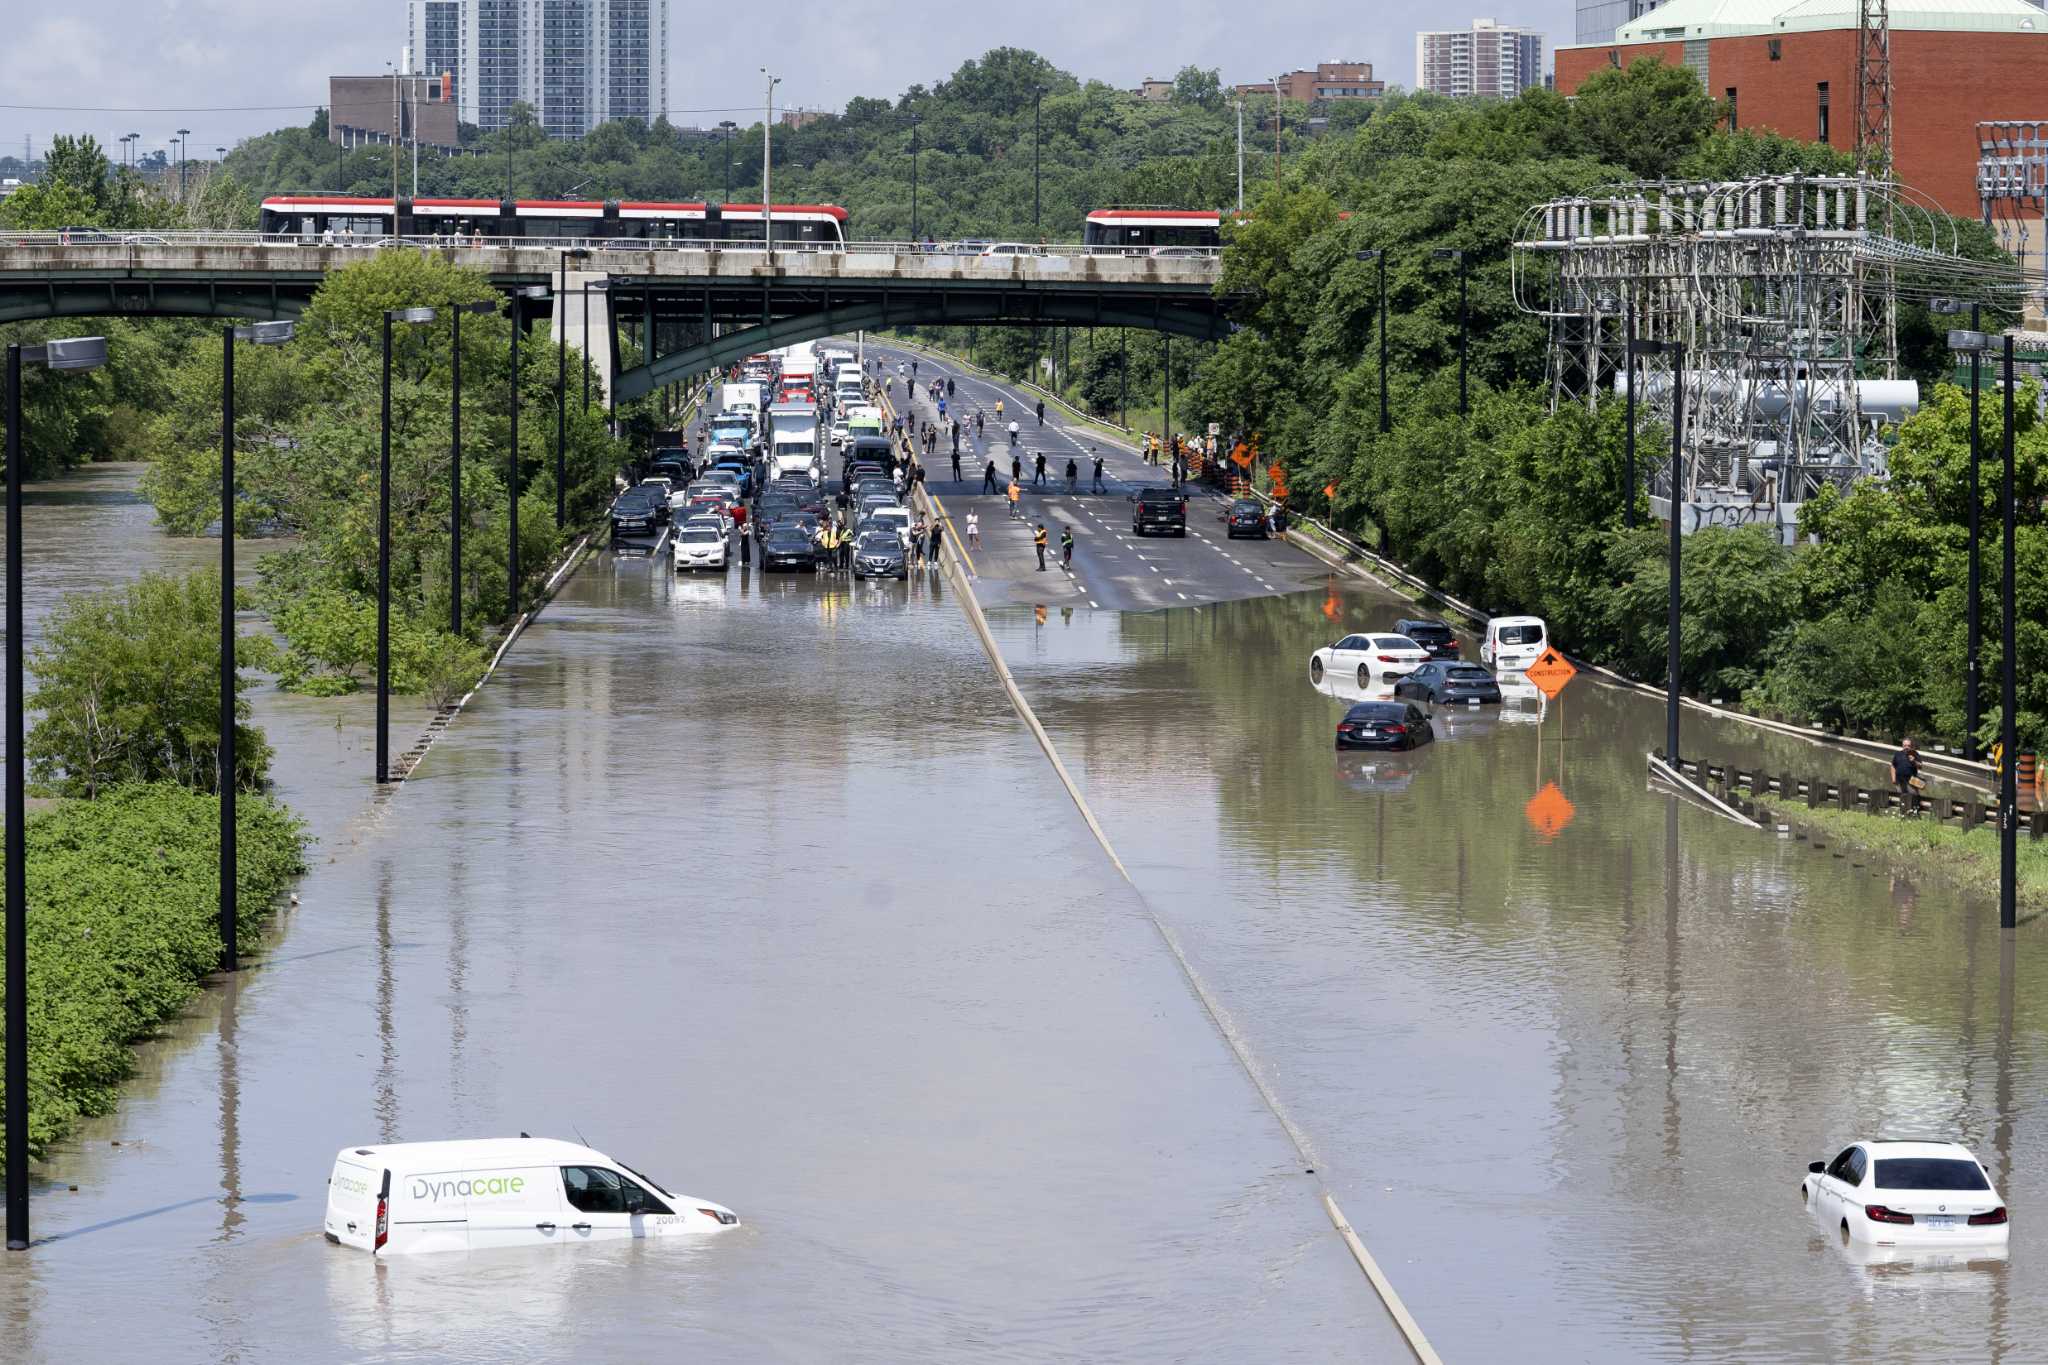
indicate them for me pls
(394, 152)
(728, 126)
(2008, 730)
(1279, 118)
(767, 162)
(1240, 153)
(1037, 93)
(184, 146)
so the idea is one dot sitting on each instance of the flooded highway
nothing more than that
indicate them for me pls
(1562, 1045)
(757, 883)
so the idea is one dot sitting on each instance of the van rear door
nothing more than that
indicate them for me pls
(358, 1184)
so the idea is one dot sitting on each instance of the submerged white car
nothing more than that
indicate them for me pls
(1365, 658)
(1907, 1194)
(408, 1197)
(698, 547)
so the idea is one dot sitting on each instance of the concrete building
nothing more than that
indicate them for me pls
(1486, 59)
(579, 63)
(370, 109)
(1329, 81)
(1152, 88)
(1790, 66)
(1600, 20)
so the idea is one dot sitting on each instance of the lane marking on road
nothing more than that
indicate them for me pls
(1182, 596)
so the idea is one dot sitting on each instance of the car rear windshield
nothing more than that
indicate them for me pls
(1237, 508)
(1377, 710)
(1929, 1173)
(1428, 630)
(1160, 495)
(1467, 673)
(1521, 635)
(1394, 642)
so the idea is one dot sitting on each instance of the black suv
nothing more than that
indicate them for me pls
(1158, 509)
(1434, 636)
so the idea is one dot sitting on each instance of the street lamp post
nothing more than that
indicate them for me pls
(1972, 343)
(73, 353)
(1464, 320)
(767, 165)
(519, 301)
(1628, 447)
(728, 126)
(455, 312)
(1037, 94)
(913, 180)
(562, 385)
(391, 315)
(2008, 730)
(184, 148)
(1240, 153)
(1676, 350)
(1380, 255)
(261, 334)
(1279, 120)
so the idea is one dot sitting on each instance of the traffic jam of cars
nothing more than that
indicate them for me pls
(749, 489)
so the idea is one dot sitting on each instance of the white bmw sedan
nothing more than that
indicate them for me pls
(1365, 658)
(1907, 1194)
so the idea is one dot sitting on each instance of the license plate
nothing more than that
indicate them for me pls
(1939, 1220)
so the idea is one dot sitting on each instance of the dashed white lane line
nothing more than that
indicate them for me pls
(1182, 596)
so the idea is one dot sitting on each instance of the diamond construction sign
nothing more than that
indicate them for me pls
(1550, 673)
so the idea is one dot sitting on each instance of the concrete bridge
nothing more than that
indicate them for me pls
(686, 310)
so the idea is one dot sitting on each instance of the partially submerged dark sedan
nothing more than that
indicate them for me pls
(1384, 725)
(788, 548)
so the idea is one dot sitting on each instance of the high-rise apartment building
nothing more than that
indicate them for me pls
(1486, 59)
(579, 63)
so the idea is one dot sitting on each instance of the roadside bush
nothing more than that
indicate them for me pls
(122, 924)
(331, 648)
(128, 690)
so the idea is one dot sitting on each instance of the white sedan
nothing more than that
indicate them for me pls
(698, 547)
(1366, 657)
(1907, 1194)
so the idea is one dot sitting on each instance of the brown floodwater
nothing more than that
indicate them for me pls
(1562, 1045)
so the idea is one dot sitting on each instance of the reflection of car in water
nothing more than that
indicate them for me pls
(1521, 701)
(1346, 687)
(1379, 772)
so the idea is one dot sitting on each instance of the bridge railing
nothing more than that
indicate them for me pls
(98, 238)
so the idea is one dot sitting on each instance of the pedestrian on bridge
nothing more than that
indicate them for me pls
(1038, 470)
(988, 476)
(973, 530)
(1038, 543)
(977, 426)
(1013, 435)
(1016, 469)
(1041, 412)
(1098, 468)
(936, 534)
(1067, 548)
(949, 386)
(1073, 474)
(956, 457)
(1016, 492)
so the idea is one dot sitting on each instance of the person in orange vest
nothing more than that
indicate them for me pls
(1016, 492)
(1038, 542)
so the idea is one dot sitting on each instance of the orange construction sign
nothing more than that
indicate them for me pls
(1550, 673)
(1330, 491)
(1549, 811)
(1240, 456)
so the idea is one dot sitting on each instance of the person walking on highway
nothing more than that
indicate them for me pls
(1073, 474)
(1067, 548)
(1041, 412)
(1038, 470)
(1099, 487)
(1038, 543)
(974, 530)
(1016, 469)
(740, 524)
(988, 476)
(999, 409)
(896, 478)
(956, 457)
(977, 426)
(949, 386)
(1016, 492)
(917, 534)
(1013, 435)
(936, 534)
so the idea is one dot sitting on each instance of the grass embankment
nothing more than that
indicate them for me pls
(1969, 858)
(123, 906)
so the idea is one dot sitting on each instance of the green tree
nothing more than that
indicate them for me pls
(1646, 116)
(128, 690)
(1203, 89)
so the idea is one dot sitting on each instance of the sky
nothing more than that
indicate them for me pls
(229, 69)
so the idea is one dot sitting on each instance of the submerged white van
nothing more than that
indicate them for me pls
(407, 1197)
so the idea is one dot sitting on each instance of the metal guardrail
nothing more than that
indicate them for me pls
(977, 250)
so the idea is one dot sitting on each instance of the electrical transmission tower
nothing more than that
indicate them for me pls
(1781, 289)
(1874, 135)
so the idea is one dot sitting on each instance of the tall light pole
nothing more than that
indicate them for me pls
(1676, 350)
(562, 385)
(184, 148)
(74, 353)
(391, 315)
(2008, 731)
(1464, 319)
(1380, 255)
(1037, 94)
(1973, 343)
(913, 179)
(455, 312)
(767, 165)
(1240, 153)
(1279, 118)
(520, 298)
(727, 127)
(261, 334)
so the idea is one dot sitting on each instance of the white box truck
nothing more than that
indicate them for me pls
(406, 1197)
(793, 441)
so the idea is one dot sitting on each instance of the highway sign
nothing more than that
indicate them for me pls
(1550, 673)
(1215, 430)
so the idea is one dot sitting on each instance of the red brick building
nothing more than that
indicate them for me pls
(1790, 66)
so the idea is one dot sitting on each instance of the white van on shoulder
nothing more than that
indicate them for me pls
(1513, 643)
(407, 1197)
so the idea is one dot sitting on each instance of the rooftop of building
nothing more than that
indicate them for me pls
(1693, 19)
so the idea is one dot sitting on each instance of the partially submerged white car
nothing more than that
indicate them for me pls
(407, 1197)
(1907, 1194)
(1368, 658)
(698, 547)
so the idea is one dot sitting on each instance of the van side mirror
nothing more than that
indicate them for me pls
(1816, 1167)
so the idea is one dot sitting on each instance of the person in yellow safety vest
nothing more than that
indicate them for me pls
(999, 407)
